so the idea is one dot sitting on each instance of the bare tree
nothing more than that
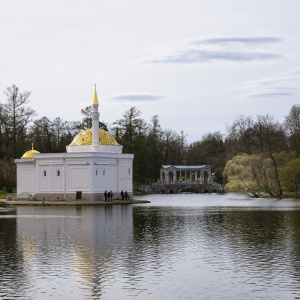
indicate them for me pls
(292, 127)
(264, 136)
(15, 117)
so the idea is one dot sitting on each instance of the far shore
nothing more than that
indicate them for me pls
(69, 203)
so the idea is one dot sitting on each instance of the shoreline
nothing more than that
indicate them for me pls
(70, 203)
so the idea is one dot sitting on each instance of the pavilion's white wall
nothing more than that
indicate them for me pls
(101, 178)
(58, 178)
(111, 183)
(125, 175)
(44, 178)
(49, 177)
(25, 179)
(62, 175)
(78, 178)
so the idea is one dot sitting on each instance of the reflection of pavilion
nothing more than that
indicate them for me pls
(171, 173)
(77, 243)
(176, 179)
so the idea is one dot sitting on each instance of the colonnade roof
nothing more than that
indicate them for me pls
(183, 168)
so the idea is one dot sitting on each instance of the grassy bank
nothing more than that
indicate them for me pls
(3, 195)
(138, 192)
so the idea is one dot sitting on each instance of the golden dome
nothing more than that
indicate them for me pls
(30, 153)
(85, 138)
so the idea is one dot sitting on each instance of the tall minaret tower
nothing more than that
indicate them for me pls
(95, 123)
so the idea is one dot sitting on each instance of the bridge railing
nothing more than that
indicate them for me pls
(160, 184)
(182, 182)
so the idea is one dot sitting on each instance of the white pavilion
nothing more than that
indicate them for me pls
(94, 163)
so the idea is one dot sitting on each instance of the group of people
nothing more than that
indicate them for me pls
(108, 196)
(125, 195)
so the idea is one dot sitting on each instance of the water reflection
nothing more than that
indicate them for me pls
(258, 243)
(174, 248)
(239, 247)
(69, 251)
(10, 258)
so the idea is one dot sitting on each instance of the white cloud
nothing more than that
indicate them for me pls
(286, 84)
(134, 97)
(220, 49)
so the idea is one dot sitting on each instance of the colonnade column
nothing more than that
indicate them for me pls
(174, 176)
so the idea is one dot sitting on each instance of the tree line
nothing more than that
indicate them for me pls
(256, 155)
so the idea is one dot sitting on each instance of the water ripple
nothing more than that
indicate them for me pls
(212, 249)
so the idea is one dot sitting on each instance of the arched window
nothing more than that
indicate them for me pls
(45, 173)
(104, 172)
(97, 172)
(57, 173)
(128, 171)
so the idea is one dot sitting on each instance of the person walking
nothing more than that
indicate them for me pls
(108, 196)
(105, 195)
(111, 195)
(122, 195)
(126, 195)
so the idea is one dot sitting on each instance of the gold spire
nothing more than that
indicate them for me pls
(95, 99)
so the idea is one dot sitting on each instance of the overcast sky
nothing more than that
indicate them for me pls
(197, 64)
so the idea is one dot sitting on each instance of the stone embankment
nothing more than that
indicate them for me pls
(181, 187)
(70, 203)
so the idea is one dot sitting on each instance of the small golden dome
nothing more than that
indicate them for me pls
(85, 138)
(30, 153)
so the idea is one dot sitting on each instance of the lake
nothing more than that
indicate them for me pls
(179, 246)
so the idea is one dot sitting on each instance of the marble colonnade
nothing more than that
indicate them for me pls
(177, 174)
